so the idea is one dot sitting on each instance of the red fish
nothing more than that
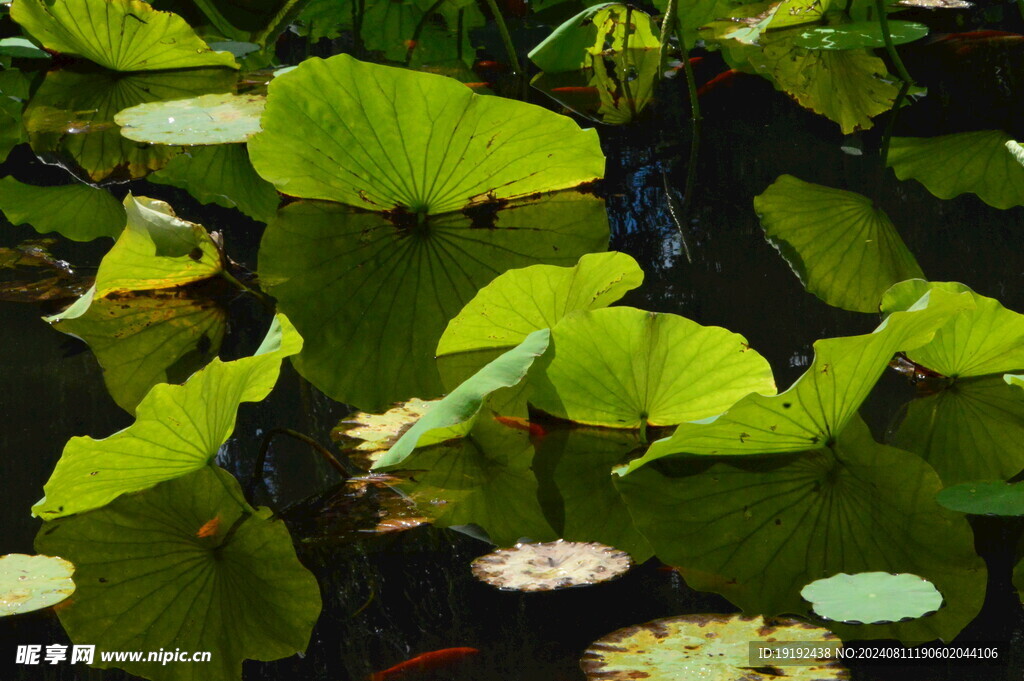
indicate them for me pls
(966, 43)
(435, 659)
(721, 78)
(534, 429)
(576, 90)
(477, 86)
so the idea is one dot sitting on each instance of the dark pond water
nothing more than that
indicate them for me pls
(389, 597)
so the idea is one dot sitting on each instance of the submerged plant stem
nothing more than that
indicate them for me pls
(904, 89)
(344, 471)
(506, 37)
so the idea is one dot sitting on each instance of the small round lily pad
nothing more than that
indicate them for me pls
(708, 647)
(988, 497)
(209, 119)
(30, 583)
(551, 565)
(872, 597)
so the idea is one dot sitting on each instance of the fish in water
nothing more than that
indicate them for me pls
(435, 659)
(534, 429)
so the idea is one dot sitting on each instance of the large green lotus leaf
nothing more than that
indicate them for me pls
(985, 497)
(185, 565)
(77, 211)
(596, 31)
(30, 583)
(324, 19)
(521, 301)
(21, 48)
(621, 367)
(848, 87)
(157, 250)
(223, 175)
(859, 34)
(579, 498)
(208, 119)
(454, 415)
(872, 597)
(121, 35)
(745, 24)
(970, 430)
(254, 21)
(844, 249)
(709, 647)
(967, 162)
(816, 408)
(384, 138)
(143, 339)
(372, 298)
(70, 119)
(178, 429)
(484, 479)
(758, 530)
(986, 340)
(692, 15)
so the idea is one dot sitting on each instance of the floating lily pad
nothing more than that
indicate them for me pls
(121, 35)
(987, 497)
(757, 529)
(167, 439)
(712, 647)
(967, 162)
(21, 48)
(371, 296)
(935, 4)
(859, 34)
(972, 429)
(816, 408)
(209, 119)
(379, 432)
(843, 248)
(70, 118)
(872, 597)
(550, 566)
(596, 31)
(152, 561)
(988, 339)
(453, 416)
(625, 368)
(849, 87)
(30, 583)
(692, 15)
(522, 301)
(77, 211)
(221, 174)
(383, 138)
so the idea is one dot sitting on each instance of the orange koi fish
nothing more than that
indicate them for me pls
(425, 662)
(534, 429)
(721, 78)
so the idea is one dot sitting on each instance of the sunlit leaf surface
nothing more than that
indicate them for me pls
(30, 583)
(178, 429)
(872, 597)
(155, 573)
(596, 31)
(209, 119)
(986, 497)
(76, 211)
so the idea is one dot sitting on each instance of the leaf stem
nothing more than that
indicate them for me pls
(890, 47)
(259, 295)
(344, 471)
(904, 89)
(506, 37)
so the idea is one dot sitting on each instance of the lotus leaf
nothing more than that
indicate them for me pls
(967, 162)
(21, 48)
(255, 21)
(691, 16)
(223, 175)
(71, 118)
(144, 339)
(596, 31)
(388, 139)
(185, 565)
(121, 35)
(521, 301)
(711, 647)
(746, 24)
(626, 368)
(972, 429)
(986, 497)
(379, 432)
(209, 119)
(872, 597)
(178, 429)
(30, 583)
(757, 530)
(76, 211)
(988, 339)
(484, 479)
(859, 34)
(371, 297)
(454, 415)
(844, 249)
(816, 408)
(550, 566)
